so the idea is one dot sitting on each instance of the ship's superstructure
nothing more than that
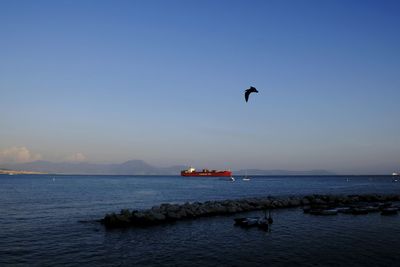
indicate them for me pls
(205, 172)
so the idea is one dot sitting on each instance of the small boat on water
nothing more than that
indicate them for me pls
(246, 221)
(306, 209)
(246, 178)
(384, 205)
(389, 211)
(329, 212)
(385, 208)
(345, 210)
(262, 223)
(372, 208)
(323, 211)
(358, 211)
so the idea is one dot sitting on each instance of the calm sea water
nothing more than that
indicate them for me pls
(46, 221)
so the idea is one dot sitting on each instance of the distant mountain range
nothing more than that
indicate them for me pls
(282, 172)
(132, 167)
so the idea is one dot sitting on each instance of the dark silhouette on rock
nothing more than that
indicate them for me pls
(249, 91)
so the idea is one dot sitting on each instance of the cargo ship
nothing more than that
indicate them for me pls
(210, 173)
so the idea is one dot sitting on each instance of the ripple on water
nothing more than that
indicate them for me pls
(39, 224)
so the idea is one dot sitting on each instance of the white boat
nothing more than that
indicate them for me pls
(262, 223)
(246, 178)
(395, 174)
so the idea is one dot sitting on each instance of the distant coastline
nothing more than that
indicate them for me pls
(15, 172)
(132, 167)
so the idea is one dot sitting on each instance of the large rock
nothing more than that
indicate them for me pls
(294, 202)
(116, 220)
(173, 212)
(172, 216)
(305, 202)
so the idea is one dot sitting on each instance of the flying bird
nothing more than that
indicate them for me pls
(249, 91)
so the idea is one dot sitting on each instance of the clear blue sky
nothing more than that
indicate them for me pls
(163, 81)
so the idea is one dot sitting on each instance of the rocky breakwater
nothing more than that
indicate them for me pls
(166, 213)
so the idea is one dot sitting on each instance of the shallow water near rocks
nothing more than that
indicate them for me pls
(47, 222)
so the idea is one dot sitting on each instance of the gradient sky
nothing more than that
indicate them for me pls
(163, 81)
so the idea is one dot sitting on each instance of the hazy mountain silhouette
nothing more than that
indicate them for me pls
(283, 172)
(132, 167)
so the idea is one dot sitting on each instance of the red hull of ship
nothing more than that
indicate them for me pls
(208, 174)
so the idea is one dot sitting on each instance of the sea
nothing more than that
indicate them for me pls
(50, 220)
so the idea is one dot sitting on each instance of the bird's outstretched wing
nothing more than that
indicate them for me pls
(246, 94)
